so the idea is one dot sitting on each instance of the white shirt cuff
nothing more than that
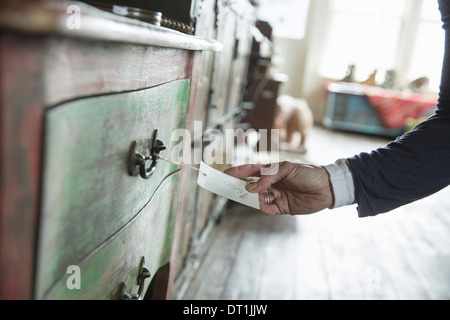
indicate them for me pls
(342, 182)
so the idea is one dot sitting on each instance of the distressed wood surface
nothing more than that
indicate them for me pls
(44, 67)
(118, 67)
(149, 235)
(219, 88)
(87, 192)
(39, 73)
(21, 115)
(80, 20)
(185, 232)
(222, 68)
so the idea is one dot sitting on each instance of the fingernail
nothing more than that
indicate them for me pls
(251, 186)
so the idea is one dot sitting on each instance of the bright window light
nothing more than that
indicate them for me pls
(429, 48)
(373, 35)
(363, 33)
(287, 17)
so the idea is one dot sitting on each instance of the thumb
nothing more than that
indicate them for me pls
(262, 184)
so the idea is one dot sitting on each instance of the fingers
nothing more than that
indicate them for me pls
(277, 207)
(296, 188)
(262, 184)
(268, 209)
(268, 175)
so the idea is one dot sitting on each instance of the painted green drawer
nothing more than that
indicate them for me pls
(88, 194)
(149, 235)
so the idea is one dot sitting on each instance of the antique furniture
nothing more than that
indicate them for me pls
(221, 85)
(263, 84)
(374, 110)
(89, 99)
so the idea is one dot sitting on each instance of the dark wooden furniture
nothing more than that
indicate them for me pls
(221, 84)
(79, 107)
(263, 85)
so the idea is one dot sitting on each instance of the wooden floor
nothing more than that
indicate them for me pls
(404, 254)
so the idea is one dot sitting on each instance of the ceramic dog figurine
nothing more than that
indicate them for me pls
(292, 116)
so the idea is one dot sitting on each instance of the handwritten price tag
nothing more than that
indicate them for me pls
(226, 186)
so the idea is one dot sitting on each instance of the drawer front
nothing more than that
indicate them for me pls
(88, 194)
(149, 236)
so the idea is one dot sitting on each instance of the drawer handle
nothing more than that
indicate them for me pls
(143, 274)
(143, 165)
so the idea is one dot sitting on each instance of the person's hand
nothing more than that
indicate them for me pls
(297, 188)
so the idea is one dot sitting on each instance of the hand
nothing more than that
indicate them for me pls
(297, 188)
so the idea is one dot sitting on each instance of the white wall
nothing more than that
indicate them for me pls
(301, 59)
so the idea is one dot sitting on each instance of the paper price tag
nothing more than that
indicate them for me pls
(226, 186)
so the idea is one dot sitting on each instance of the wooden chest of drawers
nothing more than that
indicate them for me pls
(89, 197)
(76, 106)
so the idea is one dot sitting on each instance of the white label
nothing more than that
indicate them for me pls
(226, 186)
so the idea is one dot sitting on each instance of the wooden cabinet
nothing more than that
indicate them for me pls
(219, 99)
(88, 193)
(77, 104)
(112, 269)
(73, 103)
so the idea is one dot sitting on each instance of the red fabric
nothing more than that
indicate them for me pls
(394, 107)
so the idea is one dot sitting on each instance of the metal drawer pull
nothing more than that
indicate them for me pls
(138, 163)
(144, 274)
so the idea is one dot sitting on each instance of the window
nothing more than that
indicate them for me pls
(287, 17)
(404, 35)
(429, 47)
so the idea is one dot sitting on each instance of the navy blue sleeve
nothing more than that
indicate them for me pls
(415, 165)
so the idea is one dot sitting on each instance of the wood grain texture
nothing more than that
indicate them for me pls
(38, 73)
(222, 65)
(219, 88)
(87, 192)
(53, 17)
(184, 231)
(21, 126)
(82, 68)
(149, 235)
(43, 66)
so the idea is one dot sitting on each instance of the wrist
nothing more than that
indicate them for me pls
(330, 188)
(341, 183)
